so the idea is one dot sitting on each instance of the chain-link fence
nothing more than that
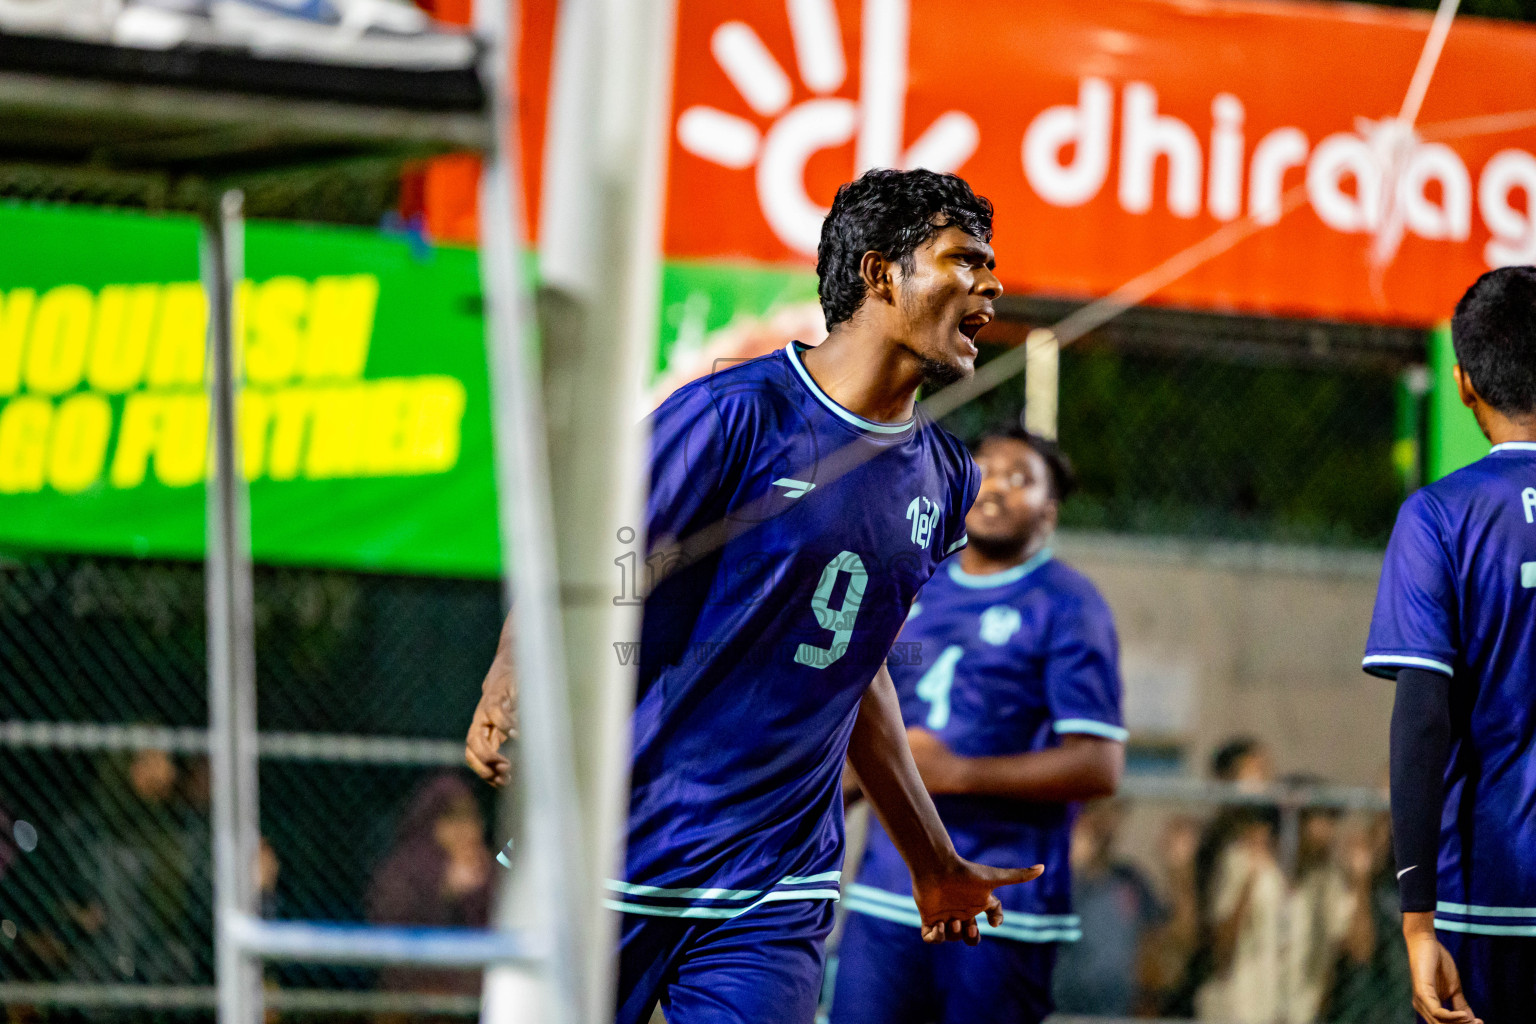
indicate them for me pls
(1275, 905)
(365, 685)
(1196, 425)
(1203, 425)
(1202, 901)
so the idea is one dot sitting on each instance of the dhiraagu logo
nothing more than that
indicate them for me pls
(782, 137)
(105, 387)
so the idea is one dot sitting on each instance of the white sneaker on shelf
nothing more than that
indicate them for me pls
(162, 24)
(84, 20)
(373, 33)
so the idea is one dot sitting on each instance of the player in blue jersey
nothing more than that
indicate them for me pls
(1007, 672)
(798, 502)
(1455, 624)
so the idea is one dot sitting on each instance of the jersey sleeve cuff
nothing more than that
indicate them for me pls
(1387, 665)
(957, 545)
(1091, 728)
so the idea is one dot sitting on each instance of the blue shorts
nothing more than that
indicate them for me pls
(763, 967)
(1498, 974)
(887, 974)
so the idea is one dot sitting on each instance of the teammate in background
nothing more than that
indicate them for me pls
(1455, 624)
(1013, 709)
(763, 658)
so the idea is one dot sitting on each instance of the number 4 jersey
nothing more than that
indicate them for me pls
(1458, 597)
(994, 665)
(817, 527)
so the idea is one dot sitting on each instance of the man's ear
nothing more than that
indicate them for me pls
(1469, 396)
(878, 274)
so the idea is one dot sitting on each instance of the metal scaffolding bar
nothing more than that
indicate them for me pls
(231, 628)
(599, 254)
(547, 849)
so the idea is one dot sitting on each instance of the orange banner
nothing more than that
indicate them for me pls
(1112, 136)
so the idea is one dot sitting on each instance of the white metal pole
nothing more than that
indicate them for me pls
(601, 284)
(542, 895)
(231, 628)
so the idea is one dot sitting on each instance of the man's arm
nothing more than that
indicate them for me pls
(1082, 768)
(1421, 745)
(950, 891)
(495, 719)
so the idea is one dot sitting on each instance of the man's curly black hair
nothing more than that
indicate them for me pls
(892, 213)
(1494, 334)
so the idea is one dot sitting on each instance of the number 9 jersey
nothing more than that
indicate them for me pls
(787, 538)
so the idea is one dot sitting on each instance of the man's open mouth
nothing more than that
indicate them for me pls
(974, 322)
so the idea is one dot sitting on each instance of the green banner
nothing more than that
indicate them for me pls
(365, 430)
(1454, 438)
(364, 419)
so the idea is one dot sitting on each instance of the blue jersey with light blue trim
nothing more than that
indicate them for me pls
(1007, 663)
(1458, 597)
(754, 656)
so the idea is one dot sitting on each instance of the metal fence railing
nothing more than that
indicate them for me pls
(1155, 869)
(365, 684)
(1261, 905)
(1210, 426)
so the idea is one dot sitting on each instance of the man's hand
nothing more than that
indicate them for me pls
(495, 719)
(950, 901)
(1437, 995)
(493, 724)
(943, 770)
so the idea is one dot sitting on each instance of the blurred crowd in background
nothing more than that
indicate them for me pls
(1214, 927)
(122, 893)
(1206, 923)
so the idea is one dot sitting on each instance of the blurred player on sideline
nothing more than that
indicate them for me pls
(1455, 624)
(1013, 708)
(762, 660)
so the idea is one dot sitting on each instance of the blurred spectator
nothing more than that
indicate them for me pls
(1373, 970)
(1328, 912)
(267, 870)
(1243, 913)
(1098, 974)
(1236, 847)
(131, 916)
(1167, 955)
(437, 873)
(196, 789)
(1243, 760)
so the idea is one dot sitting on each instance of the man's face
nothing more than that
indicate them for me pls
(1253, 770)
(1015, 503)
(944, 300)
(152, 774)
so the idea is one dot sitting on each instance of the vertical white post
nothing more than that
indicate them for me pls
(1042, 359)
(600, 256)
(231, 627)
(544, 892)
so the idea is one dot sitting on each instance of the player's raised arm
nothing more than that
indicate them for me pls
(495, 719)
(950, 891)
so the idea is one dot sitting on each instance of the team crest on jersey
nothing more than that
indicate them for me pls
(923, 514)
(999, 623)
